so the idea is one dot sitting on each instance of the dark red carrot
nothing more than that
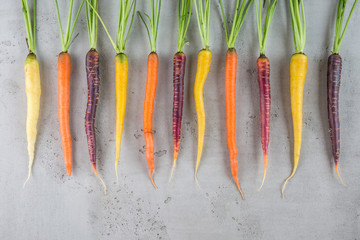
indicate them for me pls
(333, 88)
(263, 71)
(184, 16)
(178, 99)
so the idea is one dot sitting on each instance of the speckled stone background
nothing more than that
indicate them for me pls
(54, 206)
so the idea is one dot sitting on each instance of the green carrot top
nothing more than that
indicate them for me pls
(239, 17)
(65, 40)
(153, 22)
(184, 16)
(263, 33)
(339, 31)
(298, 24)
(30, 24)
(203, 19)
(126, 7)
(92, 23)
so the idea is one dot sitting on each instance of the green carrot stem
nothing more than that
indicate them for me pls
(65, 40)
(298, 24)
(263, 32)
(339, 31)
(184, 16)
(239, 17)
(153, 23)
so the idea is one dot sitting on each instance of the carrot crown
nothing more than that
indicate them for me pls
(298, 24)
(153, 22)
(263, 33)
(65, 40)
(184, 16)
(239, 17)
(203, 19)
(339, 31)
(92, 23)
(30, 24)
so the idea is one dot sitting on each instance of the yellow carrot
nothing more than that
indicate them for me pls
(121, 77)
(298, 69)
(33, 93)
(203, 67)
(202, 10)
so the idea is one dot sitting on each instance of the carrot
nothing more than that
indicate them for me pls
(263, 71)
(333, 83)
(32, 83)
(184, 16)
(230, 82)
(298, 69)
(151, 83)
(93, 82)
(64, 72)
(203, 67)
(121, 70)
(121, 77)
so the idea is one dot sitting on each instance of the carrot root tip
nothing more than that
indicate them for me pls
(152, 179)
(172, 170)
(116, 173)
(338, 173)
(265, 168)
(102, 181)
(27, 179)
(68, 170)
(238, 187)
(196, 180)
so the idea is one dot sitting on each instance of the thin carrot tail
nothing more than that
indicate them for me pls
(29, 175)
(117, 155)
(173, 168)
(196, 180)
(116, 172)
(29, 171)
(196, 169)
(265, 168)
(68, 170)
(238, 187)
(286, 180)
(337, 172)
(152, 179)
(103, 183)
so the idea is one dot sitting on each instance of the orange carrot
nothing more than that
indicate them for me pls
(64, 70)
(151, 82)
(230, 98)
(241, 9)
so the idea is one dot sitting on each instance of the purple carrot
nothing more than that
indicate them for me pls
(178, 100)
(334, 79)
(263, 70)
(93, 82)
(333, 88)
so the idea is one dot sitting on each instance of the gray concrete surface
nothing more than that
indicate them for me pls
(54, 206)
